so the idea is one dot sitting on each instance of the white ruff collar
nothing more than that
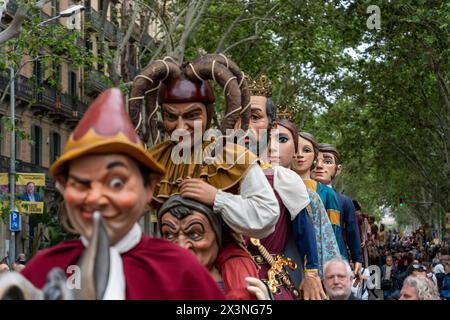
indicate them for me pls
(115, 289)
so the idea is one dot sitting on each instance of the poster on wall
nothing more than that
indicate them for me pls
(29, 192)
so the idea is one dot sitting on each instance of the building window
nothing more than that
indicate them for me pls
(55, 7)
(89, 46)
(18, 144)
(55, 146)
(38, 72)
(36, 147)
(72, 84)
(58, 75)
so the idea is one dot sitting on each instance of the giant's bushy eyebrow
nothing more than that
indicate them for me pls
(191, 108)
(116, 164)
(85, 182)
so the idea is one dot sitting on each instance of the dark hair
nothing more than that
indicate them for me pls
(271, 112)
(357, 205)
(309, 137)
(31, 182)
(292, 129)
(329, 148)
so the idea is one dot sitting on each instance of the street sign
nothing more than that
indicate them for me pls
(15, 223)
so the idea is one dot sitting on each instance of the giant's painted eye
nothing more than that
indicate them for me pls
(116, 183)
(195, 236)
(169, 236)
(283, 139)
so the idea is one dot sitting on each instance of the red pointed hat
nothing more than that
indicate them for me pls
(105, 128)
(180, 90)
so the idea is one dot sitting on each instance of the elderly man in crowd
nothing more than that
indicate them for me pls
(338, 277)
(418, 288)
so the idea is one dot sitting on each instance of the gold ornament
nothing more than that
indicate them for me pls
(262, 87)
(286, 112)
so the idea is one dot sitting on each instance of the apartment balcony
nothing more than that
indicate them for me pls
(12, 6)
(95, 82)
(44, 100)
(95, 21)
(22, 166)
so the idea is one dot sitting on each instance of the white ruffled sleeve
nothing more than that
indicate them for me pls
(254, 212)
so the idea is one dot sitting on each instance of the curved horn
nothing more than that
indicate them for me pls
(243, 85)
(203, 70)
(145, 87)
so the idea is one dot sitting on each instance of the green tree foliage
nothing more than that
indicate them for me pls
(385, 103)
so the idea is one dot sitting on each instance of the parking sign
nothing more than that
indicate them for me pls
(14, 221)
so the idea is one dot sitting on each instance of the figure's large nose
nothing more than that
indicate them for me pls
(319, 164)
(186, 243)
(182, 124)
(95, 196)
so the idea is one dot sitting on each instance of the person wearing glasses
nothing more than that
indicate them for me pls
(389, 273)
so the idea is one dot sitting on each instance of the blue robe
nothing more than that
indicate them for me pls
(350, 227)
(331, 204)
(327, 246)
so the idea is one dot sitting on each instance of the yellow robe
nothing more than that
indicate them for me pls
(219, 173)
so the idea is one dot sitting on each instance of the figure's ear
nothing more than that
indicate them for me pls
(153, 180)
(338, 169)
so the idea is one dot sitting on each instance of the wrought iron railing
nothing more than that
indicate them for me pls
(43, 95)
(112, 32)
(95, 81)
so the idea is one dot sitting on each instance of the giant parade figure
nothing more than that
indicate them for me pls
(217, 173)
(322, 197)
(106, 174)
(328, 167)
(294, 239)
(197, 228)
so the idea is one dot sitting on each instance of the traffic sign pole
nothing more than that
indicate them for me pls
(12, 170)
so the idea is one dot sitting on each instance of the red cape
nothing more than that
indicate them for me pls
(155, 269)
(234, 265)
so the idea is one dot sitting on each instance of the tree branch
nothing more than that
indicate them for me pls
(221, 44)
(16, 73)
(251, 38)
(15, 27)
(191, 23)
(116, 60)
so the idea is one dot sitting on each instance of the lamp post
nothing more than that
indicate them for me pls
(12, 169)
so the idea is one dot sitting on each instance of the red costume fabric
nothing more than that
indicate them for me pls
(152, 270)
(276, 242)
(234, 265)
